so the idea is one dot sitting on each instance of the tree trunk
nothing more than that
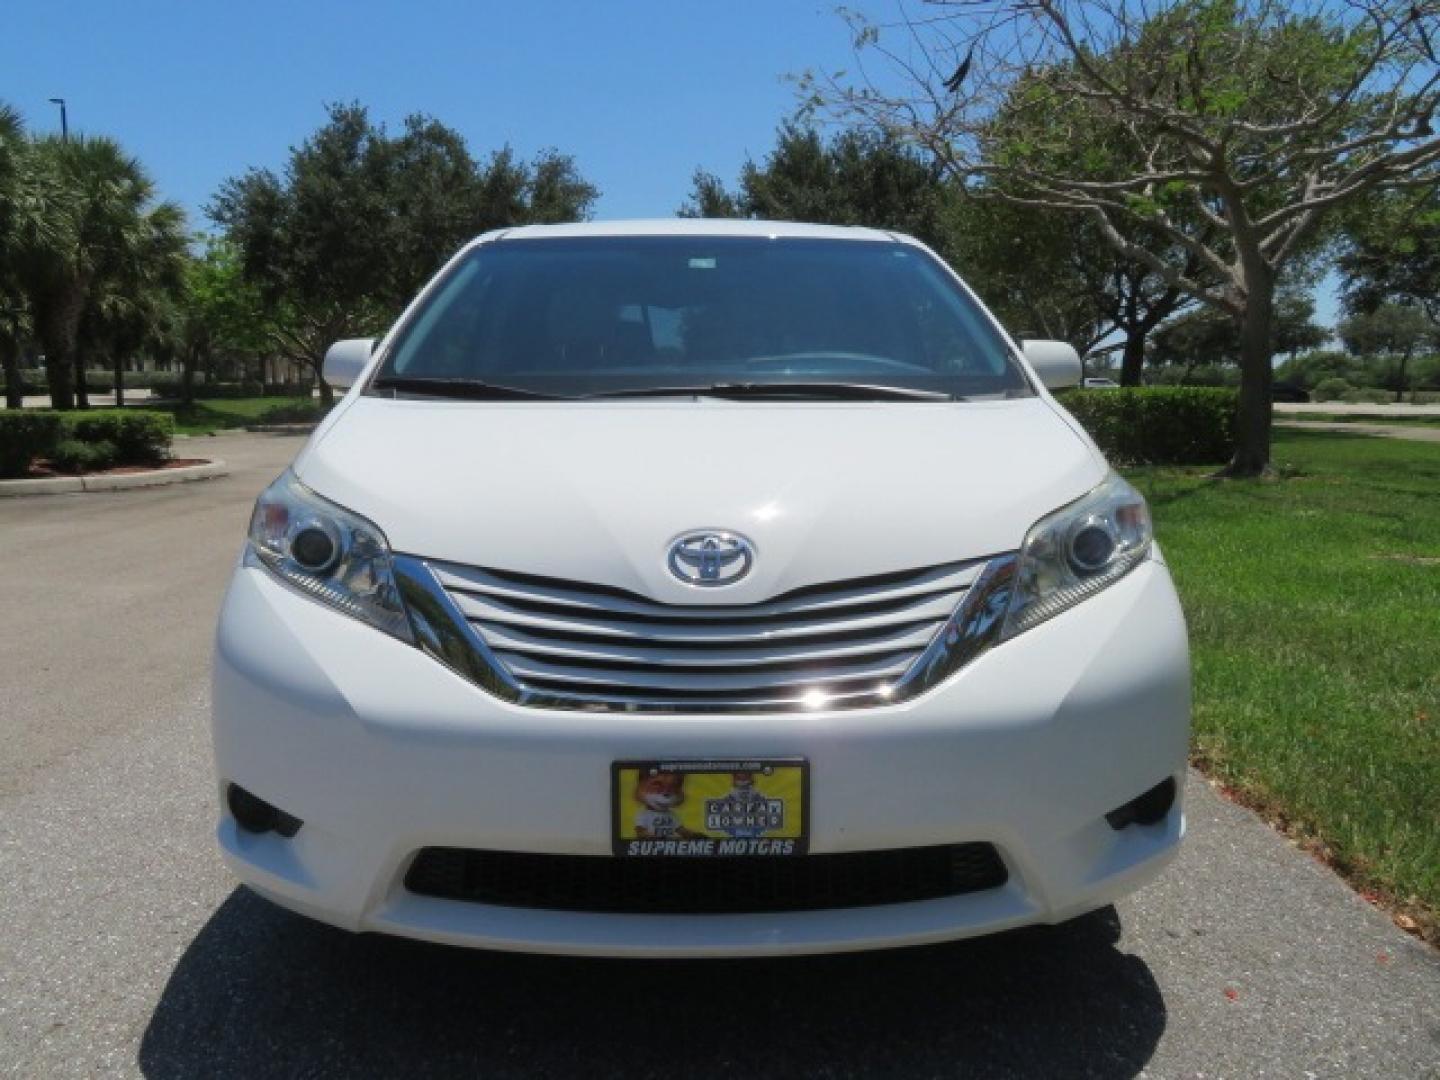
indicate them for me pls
(14, 381)
(189, 359)
(55, 325)
(327, 392)
(1132, 360)
(82, 391)
(1400, 381)
(1252, 420)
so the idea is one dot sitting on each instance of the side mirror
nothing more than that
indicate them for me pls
(345, 360)
(1055, 362)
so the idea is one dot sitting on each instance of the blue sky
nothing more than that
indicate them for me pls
(640, 92)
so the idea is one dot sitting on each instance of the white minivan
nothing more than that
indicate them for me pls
(699, 588)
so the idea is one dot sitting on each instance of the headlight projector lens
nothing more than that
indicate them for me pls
(1091, 546)
(314, 549)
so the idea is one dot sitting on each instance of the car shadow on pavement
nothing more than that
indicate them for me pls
(261, 992)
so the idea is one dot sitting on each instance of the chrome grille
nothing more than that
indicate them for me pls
(599, 647)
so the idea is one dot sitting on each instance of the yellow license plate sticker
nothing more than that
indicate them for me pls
(740, 808)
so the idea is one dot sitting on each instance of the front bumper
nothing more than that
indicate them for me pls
(382, 751)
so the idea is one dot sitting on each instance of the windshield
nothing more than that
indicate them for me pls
(608, 315)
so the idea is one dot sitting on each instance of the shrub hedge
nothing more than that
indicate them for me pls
(1158, 425)
(26, 434)
(112, 436)
(1332, 389)
(139, 438)
(74, 456)
(1368, 397)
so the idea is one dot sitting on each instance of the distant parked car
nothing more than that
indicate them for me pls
(1285, 391)
(1101, 384)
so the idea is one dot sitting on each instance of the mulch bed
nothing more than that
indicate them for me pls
(42, 469)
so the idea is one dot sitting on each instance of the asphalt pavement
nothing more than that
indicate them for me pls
(125, 949)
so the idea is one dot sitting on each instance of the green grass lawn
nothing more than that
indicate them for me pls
(207, 417)
(1314, 612)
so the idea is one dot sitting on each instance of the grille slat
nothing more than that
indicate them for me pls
(529, 668)
(512, 639)
(705, 885)
(521, 590)
(668, 630)
(612, 649)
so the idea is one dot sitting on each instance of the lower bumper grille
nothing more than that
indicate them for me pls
(704, 886)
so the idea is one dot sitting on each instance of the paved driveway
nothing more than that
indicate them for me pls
(124, 948)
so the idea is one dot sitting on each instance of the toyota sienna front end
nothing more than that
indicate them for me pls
(699, 588)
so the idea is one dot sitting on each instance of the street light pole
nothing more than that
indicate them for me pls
(64, 120)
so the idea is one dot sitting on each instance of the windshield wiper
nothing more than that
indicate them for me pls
(785, 391)
(469, 389)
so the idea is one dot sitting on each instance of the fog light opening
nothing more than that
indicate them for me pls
(1147, 809)
(255, 815)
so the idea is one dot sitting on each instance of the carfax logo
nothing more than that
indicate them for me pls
(744, 813)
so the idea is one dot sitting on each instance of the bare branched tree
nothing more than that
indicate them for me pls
(1232, 128)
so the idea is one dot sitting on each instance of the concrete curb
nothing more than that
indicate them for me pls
(74, 485)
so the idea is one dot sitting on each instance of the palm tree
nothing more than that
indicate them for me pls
(13, 315)
(129, 299)
(95, 199)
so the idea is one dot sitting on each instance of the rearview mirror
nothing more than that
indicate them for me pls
(1055, 362)
(345, 360)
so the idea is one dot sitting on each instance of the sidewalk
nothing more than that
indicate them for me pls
(1345, 408)
(1408, 432)
(132, 397)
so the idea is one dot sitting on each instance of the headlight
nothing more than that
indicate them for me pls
(328, 553)
(1077, 551)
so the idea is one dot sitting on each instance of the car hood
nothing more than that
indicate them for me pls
(597, 492)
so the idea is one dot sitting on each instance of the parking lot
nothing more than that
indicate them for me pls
(127, 950)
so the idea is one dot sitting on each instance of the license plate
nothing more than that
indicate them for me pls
(738, 808)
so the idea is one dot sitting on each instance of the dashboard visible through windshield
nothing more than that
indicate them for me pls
(613, 316)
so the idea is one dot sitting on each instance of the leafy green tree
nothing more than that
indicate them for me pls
(220, 316)
(856, 178)
(1131, 296)
(1018, 261)
(1251, 123)
(1394, 333)
(359, 219)
(1202, 336)
(1044, 273)
(1309, 369)
(1391, 252)
(1027, 267)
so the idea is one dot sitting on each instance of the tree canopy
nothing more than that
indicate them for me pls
(1202, 336)
(1391, 253)
(1024, 264)
(1241, 126)
(87, 245)
(341, 238)
(856, 178)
